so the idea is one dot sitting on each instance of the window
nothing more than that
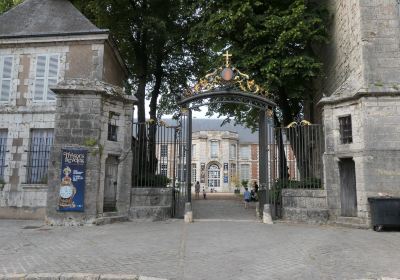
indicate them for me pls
(113, 126)
(3, 147)
(164, 169)
(46, 76)
(232, 151)
(164, 150)
(346, 134)
(245, 152)
(245, 172)
(194, 151)
(194, 172)
(233, 170)
(6, 65)
(214, 148)
(38, 155)
(214, 176)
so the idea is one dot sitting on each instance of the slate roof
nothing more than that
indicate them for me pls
(245, 134)
(34, 18)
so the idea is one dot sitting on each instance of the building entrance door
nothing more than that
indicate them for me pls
(348, 194)
(110, 184)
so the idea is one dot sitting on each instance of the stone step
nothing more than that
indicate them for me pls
(351, 222)
(110, 214)
(310, 216)
(110, 220)
(153, 213)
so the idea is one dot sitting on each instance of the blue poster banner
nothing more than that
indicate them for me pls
(72, 186)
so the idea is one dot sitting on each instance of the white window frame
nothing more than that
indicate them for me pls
(194, 172)
(45, 78)
(163, 150)
(247, 177)
(243, 155)
(212, 154)
(214, 176)
(164, 169)
(2, 58)
(193, 150)
(232, 151)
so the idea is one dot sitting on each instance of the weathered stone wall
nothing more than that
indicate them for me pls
(81, 59)
(375, 150)
(362, 67)
(307, 206)
(380, 36)
(81, 120)
(151, 203)
(364, 52)
(113, 72)
(343, 57)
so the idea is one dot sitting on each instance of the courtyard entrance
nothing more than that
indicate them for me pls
(223, 207)
(288, 157)
(227, 86)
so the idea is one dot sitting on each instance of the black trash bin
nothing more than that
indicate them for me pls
(385, 212)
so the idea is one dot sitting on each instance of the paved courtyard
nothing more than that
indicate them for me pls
(234, 246)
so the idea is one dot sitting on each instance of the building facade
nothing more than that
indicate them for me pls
(42, 44)
(360, 106)
(222, 156)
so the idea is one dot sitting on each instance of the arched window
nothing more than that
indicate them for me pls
(213, 176)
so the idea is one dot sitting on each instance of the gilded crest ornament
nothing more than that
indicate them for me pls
(226, 78)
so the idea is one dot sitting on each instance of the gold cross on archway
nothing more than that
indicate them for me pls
(227, 55)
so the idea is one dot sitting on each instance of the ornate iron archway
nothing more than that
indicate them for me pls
(228, 85)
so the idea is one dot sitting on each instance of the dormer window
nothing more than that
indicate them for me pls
(47, 67)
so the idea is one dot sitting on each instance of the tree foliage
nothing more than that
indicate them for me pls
(5, 5)
(273, 41)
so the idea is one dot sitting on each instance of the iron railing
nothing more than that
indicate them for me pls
(38, 156)
(158, 152)
(3, 147)
(295, 161)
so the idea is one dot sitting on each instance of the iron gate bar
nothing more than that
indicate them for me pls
(263, 102)
(189, 156)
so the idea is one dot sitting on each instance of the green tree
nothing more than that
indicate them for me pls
(5, 5)
(152, 36)
(274, 41)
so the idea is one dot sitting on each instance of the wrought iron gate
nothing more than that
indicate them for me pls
(159, 151)
(295, 161)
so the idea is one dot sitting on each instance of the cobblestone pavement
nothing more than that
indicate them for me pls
(207, 249)
(219, 206)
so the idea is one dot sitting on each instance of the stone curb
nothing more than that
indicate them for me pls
(74, 276)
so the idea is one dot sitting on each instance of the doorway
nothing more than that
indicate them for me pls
(348, 191)
(110, 184)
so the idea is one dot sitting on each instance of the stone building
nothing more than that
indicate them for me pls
(361, 106)
(222, 156)
(44, 45)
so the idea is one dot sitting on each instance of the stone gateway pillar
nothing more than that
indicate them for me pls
(93, 127)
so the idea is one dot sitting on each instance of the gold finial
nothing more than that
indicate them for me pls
(227, 55)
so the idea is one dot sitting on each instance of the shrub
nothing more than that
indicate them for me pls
(152, 180)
